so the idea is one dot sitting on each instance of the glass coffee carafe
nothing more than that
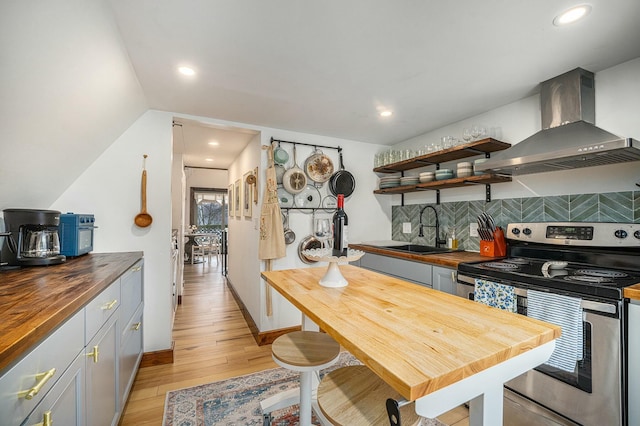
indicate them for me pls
(39, 243)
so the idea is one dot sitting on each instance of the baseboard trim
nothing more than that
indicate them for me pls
(261, 337)
(161, 357)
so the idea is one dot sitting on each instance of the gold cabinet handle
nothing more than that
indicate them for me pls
(94, 354)
(42, 379)
(46, 419)
(136, 326)
(136, 269)
(109, 306)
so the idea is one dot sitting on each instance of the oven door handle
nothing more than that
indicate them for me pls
(590, 305)
(598, 306)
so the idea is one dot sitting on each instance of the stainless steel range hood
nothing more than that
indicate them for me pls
(569, 139)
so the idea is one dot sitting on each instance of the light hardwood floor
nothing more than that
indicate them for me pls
(212, 342)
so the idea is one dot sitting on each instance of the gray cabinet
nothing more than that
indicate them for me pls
(102, 390)
(634, 363)
(436, 277)
(416, 272)
(444, 279)
(130, 351)
(64, 403)
(81, 374)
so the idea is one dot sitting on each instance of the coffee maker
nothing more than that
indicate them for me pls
(33, 238)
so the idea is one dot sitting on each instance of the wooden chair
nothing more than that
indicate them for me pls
(307, 352)
(356, 396)
(207, 246)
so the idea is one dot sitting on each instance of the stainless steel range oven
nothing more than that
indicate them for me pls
(590, 264)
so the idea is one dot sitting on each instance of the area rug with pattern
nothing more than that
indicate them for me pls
(236, 401)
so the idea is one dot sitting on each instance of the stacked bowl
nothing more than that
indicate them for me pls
(476, 164)
(427, 177)
(389, 182)
(443, 174)
(465, 169)
(409, 180)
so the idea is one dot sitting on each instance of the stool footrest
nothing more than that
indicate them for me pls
(355, 395)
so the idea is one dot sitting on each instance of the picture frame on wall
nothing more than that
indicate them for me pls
(230, 208)
(247, 198)
(237, 198)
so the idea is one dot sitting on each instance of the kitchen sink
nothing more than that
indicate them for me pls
(419, 249)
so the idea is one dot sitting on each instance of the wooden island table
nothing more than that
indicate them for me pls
(434, 348)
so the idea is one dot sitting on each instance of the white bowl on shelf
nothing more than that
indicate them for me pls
(464, 173)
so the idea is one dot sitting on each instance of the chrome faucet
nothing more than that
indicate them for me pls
(439, 242)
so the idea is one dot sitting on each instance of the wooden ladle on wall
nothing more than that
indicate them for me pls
(143, 219)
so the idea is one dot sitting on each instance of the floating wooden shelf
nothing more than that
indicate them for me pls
(483, 146)
(444, 184)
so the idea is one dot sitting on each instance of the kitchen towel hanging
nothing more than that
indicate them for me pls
(566, 312)
(495, 295)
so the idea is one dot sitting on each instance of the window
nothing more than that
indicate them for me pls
(209, 208)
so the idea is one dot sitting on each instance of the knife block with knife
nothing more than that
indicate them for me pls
(493, 242)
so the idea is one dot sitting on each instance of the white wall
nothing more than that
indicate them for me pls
(110, 188)
(68, 91)
(617, 110)
(244, 266)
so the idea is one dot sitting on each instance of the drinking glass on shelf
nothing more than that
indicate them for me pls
(478, 132)
(466, 134)
(322, 231)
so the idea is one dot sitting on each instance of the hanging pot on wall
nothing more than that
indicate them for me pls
(294, 180)
(342, 181)
(318, 167)
(307, 243)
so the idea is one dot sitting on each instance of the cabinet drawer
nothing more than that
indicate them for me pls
(130, 354)
(100, 309)
(131, 288)
(56, 351)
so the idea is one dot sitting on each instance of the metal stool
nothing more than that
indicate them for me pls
(307, 352)
(355, 396)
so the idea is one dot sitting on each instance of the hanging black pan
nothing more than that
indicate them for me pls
(342, 181)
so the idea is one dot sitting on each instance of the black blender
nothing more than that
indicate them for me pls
(33, 238)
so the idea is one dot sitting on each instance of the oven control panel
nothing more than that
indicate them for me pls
(596, 234)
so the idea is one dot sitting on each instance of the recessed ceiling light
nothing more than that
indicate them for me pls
(572, 15)
(208, 159)
(386, 113)
(186, 71)
(214, 143)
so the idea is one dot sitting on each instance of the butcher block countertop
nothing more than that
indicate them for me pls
(416, 339)
(35, 300)
(451, 259)
(632, 292)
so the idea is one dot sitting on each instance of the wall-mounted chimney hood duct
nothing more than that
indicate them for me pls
(568, 139)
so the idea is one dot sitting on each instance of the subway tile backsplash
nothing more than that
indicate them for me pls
(607, 207)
